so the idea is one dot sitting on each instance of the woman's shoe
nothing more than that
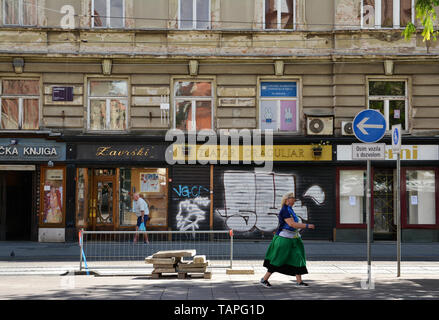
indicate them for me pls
(265, 283)
(302, 284)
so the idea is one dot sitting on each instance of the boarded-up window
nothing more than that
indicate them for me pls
(194, 14)
(193, 105)
(20, 105)
(108, 105)
(279, 14)
(108, 13)
(20, 12)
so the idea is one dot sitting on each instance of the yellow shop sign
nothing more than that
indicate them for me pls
(250, 153)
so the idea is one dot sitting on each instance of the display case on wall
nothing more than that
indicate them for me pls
(52, 202)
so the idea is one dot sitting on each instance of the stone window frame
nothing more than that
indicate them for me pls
(194, 17)
(396, 9)
(407, 98)
(279, 17)
(39, 97)
(87, 104)
(108, 16)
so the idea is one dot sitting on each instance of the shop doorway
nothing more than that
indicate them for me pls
(384, 206)
(15, 205)
(104, 199)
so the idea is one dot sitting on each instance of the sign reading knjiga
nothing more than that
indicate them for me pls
(230, 153)
(31, 150)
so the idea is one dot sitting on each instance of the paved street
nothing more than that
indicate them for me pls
(29, 275)
(328, 281)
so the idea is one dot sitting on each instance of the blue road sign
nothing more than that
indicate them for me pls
(369, 125)
(396, 138)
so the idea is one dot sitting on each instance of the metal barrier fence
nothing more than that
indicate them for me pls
(117, 249)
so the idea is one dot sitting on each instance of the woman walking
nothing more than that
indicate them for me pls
(286, 253)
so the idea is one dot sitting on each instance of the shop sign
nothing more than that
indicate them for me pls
(118, 152)
(408, 152)
(230, 154)
(31, 150)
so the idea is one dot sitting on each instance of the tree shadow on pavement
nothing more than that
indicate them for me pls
(144, 288)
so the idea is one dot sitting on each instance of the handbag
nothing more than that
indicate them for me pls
(142, 227)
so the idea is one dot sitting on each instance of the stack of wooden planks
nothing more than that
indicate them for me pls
(169, 262)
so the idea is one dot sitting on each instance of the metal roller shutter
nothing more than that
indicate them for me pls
(190, 198)
(248, 201)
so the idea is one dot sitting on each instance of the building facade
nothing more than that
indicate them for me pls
(90, 90)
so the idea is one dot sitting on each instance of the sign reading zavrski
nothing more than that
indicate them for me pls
(368, 151)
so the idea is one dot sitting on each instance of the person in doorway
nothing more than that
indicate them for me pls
(142, 213)
(286, 253)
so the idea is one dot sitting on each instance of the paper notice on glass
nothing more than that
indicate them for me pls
(46, 188)
(414, 200)
(352, 200)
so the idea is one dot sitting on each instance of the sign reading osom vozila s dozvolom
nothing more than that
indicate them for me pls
(368, 151)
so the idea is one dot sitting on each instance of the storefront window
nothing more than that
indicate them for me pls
(127, 217)
(352, 201)
(53, 194)
(420, 197)
(151, 184)
(81, 197)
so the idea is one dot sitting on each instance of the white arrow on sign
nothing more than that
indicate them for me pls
(362, 125)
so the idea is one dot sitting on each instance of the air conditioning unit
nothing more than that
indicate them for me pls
(346, 128)
(321, 126)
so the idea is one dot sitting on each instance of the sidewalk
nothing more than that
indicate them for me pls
(329, 280)
(315, 251)
(337, 271)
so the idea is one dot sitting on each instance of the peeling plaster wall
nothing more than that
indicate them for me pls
(235, 12)
(53, 14)
(156, 11)
(319, 15)
(347, 14)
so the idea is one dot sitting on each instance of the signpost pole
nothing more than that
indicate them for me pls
(369, 126)
(368, 216)
(396, 147)
(398, 213)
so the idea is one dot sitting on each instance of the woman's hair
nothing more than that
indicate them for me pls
(286, 197)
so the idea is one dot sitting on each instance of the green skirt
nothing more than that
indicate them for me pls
(285, 255)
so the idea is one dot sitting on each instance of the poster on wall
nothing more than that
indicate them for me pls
(288, 115)
(269, 115)
(149, 182)
(53, 194)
